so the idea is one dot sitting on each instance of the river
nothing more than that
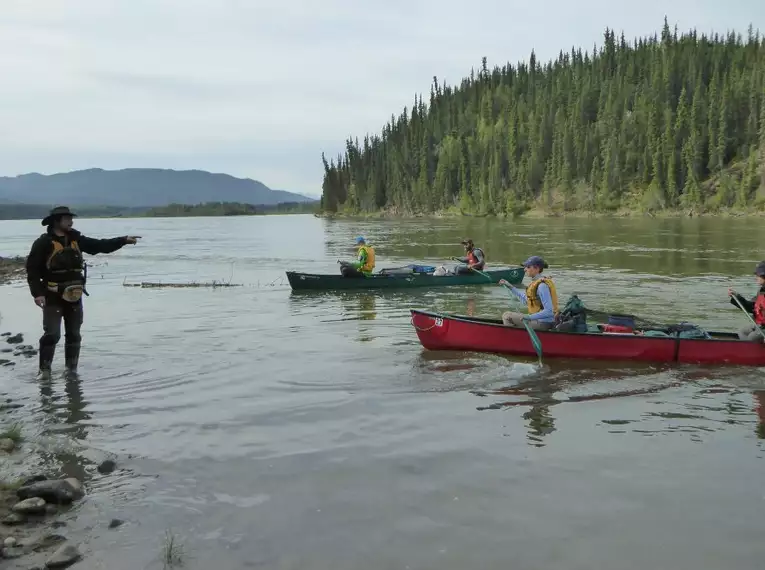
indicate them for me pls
(279, 430)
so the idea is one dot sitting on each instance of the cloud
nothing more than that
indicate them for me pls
(261, 89)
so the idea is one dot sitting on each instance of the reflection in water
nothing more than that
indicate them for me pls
(64, 416)
(759, 408)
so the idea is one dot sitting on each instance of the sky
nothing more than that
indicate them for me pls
(259, 89)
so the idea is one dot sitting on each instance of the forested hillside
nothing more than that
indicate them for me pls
(676, 121)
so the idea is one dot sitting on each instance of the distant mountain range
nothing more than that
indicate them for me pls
(138, 188)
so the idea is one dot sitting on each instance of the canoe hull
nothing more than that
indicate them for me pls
(438, 331)
(316, 282)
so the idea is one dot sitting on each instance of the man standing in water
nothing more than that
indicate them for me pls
(56, 274)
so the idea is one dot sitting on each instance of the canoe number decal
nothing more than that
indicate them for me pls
(439, 322)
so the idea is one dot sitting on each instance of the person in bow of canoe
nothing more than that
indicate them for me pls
(56, 274)
(755, 306)
(474, 258)
(540, 297)
(364, 265)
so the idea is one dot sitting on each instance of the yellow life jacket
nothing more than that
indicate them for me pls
(532, 299)
(65, 273)
(369, 266)
(58, 249)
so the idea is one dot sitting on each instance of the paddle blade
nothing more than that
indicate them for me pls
(534, 339)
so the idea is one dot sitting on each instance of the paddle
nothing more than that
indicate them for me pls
(748, 316)
(474, 269)
(536, 343)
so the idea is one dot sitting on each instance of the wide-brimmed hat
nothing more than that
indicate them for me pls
(55, 213)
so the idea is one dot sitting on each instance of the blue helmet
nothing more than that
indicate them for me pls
(360, 239)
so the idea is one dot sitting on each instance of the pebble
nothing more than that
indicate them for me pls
(107, 467)
(114, 523)
(7, 444)
(31, 506)
(33, 479)
(63, 557)
(57, 491)
(13, 519)
(15, 339)
(12, 552)
(9, 542)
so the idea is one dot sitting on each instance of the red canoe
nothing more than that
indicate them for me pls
(438, 331)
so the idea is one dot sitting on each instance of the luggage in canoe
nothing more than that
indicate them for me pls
(439, 331)
(399, 280)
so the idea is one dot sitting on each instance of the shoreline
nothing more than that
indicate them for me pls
(12, 269)
(35, 495)
(34, 502)
(538, 214)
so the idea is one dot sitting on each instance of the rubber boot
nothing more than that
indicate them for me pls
(71, 358)
(47, 352)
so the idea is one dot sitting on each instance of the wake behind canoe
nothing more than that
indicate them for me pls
(309, 281)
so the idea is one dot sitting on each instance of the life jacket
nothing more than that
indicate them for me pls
(759, 309)
(473, 258)
(532, 299)
(369, 266)
(66, 271)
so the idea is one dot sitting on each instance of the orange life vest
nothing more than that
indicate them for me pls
(473, 259)
(759, 309)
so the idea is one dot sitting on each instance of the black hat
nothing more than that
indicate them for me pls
(467, 242)
(57, 212)
(760, 269)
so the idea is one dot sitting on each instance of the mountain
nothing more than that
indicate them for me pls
(138, 187)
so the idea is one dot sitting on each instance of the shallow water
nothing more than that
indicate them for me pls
(271, 429)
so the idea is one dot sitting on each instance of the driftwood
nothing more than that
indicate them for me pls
(193, 284)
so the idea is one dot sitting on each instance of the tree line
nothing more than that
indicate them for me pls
(662, 122)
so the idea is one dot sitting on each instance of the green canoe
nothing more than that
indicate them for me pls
(309, 281)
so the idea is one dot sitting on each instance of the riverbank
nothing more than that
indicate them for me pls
(11, 269)
(539, 213)
(34, 501)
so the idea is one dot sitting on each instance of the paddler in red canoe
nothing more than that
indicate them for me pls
(755, 306)
(540, 297)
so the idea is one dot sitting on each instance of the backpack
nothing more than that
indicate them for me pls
(573, 317)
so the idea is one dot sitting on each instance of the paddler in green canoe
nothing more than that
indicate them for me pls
(364, 265)
(474, 258)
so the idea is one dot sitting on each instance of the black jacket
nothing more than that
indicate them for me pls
(43, 247)
(746, 303)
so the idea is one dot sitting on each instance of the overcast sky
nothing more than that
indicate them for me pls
(260, 89)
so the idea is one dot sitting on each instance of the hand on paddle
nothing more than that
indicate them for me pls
(504, 283)
(40, 301)
(132, 239)
(732, 292)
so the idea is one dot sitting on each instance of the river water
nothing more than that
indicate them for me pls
(279, 430)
